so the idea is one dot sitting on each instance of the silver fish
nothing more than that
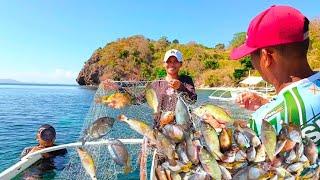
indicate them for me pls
(256, 172)
(173, 132)
(279, 146)
(290, 157)
(295, 167)
(241, 156)
(182, 152)
(241, 139)
(182, 113)
(119, 154)
(251, 135)
(192, 150)
(251, 154)
(303, 159)
(165, 147)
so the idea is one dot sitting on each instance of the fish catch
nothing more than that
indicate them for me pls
(152, 99)
(116, 100)
(234, 153)
(166, 118)
(87, 163)
(190, 148)
(98, 129)
(213, 110)
(182, 112)
(139, 126)
(250, 157)
(269, 138)
(119, 154)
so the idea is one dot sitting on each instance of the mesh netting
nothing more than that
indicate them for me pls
(106, 168)
(135, 108)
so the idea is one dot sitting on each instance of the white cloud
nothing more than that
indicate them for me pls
(56, 76)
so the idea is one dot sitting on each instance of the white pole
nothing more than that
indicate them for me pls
(31, 158)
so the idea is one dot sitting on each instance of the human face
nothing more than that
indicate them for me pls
(261, 61)
(172, 66)
(255, 60)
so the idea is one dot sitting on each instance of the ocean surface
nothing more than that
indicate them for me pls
(23, 108)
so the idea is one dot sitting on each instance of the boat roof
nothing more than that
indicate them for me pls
(252, 80)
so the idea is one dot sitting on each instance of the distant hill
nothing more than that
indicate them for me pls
(9, 81)
(140, 58)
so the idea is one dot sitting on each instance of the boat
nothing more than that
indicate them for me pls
(32, 158)
(250, 83)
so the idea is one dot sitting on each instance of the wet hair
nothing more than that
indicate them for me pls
(47, 132)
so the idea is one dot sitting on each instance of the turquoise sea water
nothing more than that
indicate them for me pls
(23, 108)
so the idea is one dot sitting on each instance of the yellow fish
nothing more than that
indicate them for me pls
(87, 163)
(117, 100)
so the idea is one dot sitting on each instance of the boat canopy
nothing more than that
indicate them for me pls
(252, 80)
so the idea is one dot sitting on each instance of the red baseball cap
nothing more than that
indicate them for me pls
(274, 26)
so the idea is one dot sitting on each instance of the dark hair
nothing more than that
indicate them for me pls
(47, 132)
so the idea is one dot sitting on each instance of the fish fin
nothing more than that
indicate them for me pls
(127, 168)
(122, 117)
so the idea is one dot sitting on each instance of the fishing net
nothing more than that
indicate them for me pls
(137, 109)
(106, 168)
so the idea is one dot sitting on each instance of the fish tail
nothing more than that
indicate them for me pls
(122, 117)
(127, 168)
(186, 168)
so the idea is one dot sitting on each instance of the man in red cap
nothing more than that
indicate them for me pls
(277, 41)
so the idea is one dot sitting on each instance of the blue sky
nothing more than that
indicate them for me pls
(49, 41)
